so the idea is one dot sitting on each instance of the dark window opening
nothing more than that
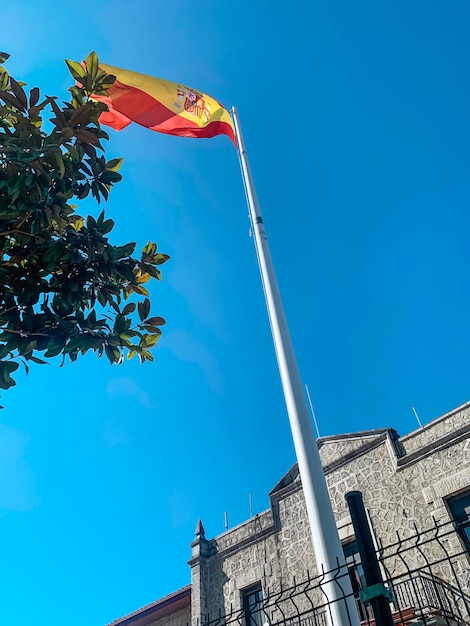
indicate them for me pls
(356, 574)
(460, 510)
(252, 599)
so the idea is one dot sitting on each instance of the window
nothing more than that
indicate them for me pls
(460, 510)
(356, 574)
(252, 599)
(353, 562)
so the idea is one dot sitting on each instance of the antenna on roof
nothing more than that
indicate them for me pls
(416, 415)
(313, 412)
(250, 499)
(226, 519)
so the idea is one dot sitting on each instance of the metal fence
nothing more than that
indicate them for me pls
(426, 574)
(429, 571)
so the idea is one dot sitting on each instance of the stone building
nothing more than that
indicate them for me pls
(416, 491)
(171, 610)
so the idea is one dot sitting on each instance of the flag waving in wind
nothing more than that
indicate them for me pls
(163, 106)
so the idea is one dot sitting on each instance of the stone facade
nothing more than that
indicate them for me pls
(172, 610)
(405, 482)
(182, 617)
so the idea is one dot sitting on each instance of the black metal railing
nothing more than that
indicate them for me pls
(430, 571)
(427, 575)
(429, 595)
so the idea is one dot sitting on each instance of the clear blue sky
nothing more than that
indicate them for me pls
(356, 118)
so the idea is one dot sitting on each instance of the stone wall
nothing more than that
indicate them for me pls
(404, 485)
(430, 433)
(178, 618)
(343, 445)
(405, 498)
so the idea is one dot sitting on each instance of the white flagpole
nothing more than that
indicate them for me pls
(326, 544)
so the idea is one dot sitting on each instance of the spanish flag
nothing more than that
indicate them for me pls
(163, 106)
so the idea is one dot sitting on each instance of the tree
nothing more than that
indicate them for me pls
(63, 285)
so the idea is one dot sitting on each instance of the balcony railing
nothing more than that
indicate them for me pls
(411, 567)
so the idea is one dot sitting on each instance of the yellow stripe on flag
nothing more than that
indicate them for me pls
(163, 106)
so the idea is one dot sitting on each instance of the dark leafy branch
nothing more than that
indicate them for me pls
(63, 286)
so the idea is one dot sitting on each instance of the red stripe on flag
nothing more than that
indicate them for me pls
(141, 108)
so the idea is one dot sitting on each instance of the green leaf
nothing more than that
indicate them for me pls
(76, 69)
(153, 271)
(90, 222)
(150, 328)
(11, 100)
(55, 345)
(148, 341)
(144, 309)
(110, 177)
(36, 360)
(4, 56)
(78, 96)
(4, 79)
(126, 250)
(159, 259)
(5, 349)
(106, 81)
(60, 163)
(6, 368)
(146, 354)
(77, 222)
(129, 308)
(155, 321)
(33, 96)
(19, 92)
(120, 324)
(150, 249)
(106, 227)
(32, 345)
(82, 115)
(92, 64)
(86, 136)
(113, 354)
(60, 121)
(51, 352)
(140, 290)
(114, 165)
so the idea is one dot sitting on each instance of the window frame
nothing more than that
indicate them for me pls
(253, 616)
(356, 573)
(458, 506)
